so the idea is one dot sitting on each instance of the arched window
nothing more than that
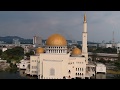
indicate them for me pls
(78, 69)
(52, 71)
(76, 74)
(69, 71)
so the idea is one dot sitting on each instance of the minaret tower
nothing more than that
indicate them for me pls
(84, 40)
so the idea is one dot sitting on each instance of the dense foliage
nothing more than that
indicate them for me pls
(102, 50)
(0, 52)
(14, 54)
(29, 53)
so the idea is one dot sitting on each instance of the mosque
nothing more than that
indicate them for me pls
(56, 61)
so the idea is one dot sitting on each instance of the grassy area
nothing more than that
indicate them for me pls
(113, 72)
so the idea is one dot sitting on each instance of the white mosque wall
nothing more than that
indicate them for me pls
(52, 69)
(33, 65)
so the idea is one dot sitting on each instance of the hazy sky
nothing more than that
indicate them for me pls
(26, 24)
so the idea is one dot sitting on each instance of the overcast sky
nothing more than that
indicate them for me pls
(26, 24)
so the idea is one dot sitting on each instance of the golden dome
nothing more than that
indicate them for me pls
(56, 40)
(40, 50)
(76, 51)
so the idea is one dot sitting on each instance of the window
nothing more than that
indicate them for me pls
(76, 74)
(34, 71)
(82, 74)
(32, 67)
(69, 71)
(76, 69)
(52, 71)
(82, 69)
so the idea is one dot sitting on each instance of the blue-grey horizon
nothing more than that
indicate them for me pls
(26, 24)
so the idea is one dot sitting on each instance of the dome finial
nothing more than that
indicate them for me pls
(85, 17)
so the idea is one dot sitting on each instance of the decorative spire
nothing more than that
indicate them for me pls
(84, 17)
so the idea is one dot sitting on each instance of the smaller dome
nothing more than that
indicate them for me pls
(40, 50)
(76, 51)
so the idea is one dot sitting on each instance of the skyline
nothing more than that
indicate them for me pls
(26, 24)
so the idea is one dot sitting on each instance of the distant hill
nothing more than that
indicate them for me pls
(9, 40)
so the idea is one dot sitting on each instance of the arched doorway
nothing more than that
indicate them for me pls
(64, 77)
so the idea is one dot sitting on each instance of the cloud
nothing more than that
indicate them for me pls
(26, 24)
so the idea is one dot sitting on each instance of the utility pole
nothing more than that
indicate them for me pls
(113, 43)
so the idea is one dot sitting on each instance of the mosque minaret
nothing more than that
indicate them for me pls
(84, 39)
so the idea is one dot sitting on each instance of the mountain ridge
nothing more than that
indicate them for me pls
(9, 39)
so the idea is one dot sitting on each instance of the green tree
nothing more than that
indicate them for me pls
(117, 63)
(94, 56)
(16, 53)
(119, 56)
(0, 52)
(29, 53)
(102, 60)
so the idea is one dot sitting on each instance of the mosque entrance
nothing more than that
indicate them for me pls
(64, 77)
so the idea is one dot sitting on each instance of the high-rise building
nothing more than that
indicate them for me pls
(37, 40)
(16, 42)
